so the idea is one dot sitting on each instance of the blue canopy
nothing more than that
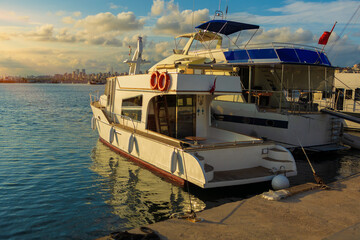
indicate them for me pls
(226, 27)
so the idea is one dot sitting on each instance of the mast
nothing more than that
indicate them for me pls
(137, 59)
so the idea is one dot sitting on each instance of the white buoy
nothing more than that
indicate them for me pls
(280, 182)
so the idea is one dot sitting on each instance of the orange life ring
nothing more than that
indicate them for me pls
(164, 81)
(154, 80)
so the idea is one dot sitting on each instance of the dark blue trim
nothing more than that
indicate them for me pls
(252, 121)
(284, 55)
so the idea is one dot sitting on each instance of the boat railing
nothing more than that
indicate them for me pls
(94, 96)
(283, 103)
(352, 107)
(277, 45)
(125, 120)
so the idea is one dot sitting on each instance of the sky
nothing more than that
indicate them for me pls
(44, 37)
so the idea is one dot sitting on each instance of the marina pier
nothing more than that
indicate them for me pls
(315, 214)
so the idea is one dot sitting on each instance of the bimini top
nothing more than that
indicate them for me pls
(226, 27)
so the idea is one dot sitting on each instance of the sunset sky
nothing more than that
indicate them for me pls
(42, 37)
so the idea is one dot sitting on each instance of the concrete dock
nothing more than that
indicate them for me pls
(315, 214)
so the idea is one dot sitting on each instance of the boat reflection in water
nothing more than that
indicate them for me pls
(349, 164)
(137, 195)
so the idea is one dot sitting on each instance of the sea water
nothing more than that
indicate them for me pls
(57, 181)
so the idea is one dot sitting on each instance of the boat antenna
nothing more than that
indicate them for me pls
(227, 8)
(137, 58)
(192, 24)
(342, 32)
(219, 13)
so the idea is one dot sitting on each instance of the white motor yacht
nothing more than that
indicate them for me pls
(162, 120)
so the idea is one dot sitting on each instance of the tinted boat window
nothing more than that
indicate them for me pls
(131, 107)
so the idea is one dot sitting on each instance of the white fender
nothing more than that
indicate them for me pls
(131, 143)
(176, 162)
(136, 146)
(174, 158)
(93, 123)
(111, 134)
(180, 162)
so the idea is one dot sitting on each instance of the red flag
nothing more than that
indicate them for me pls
(212, 89)
(325, 36)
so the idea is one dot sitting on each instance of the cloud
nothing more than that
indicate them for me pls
(103, 40)
(132, 41)
(65, 36)
(42, 33)
(295, 12)
(113, 6)
(4, 36)
(68, 20)
(102, 29)
(107, 22)
(9, 62)
(47, 33)
(76, 14)
(60, 13)
(158, 7)
(12, 17)
(283, 34)
(314, 11)
(176, 22)
(342, 51)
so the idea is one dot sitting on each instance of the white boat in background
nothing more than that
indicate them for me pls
(345, 103)
(345, 98)
(276, 81)
(352, 139)
(163, 121)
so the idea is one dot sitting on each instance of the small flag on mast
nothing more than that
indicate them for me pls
(325, 36)
(212, 89)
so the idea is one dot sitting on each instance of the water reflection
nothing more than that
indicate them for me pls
(330, 167)
(137, 195)
(349, 164)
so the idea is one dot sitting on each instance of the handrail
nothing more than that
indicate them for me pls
(279, 45)
(126, 118)
(94, 96)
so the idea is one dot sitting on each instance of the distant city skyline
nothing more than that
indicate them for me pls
(45, 38)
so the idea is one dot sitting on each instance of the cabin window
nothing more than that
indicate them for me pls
(131, 107)
(357, 94)
(173, 115)
(348, 94)
(326, 94)
(186, 118)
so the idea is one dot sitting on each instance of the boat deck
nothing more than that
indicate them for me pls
(240, 174)
(246, 173)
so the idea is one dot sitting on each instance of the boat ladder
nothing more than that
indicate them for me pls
(162, 118)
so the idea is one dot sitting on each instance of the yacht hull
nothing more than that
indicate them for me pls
(207, 166)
